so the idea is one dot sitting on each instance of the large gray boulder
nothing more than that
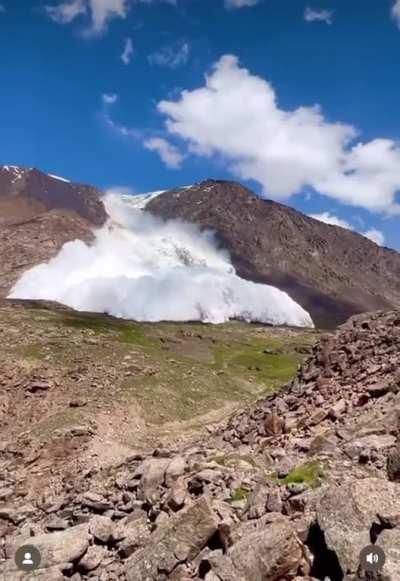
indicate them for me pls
(179, 540)
(56, 550)
(263, 554)
(349, 514)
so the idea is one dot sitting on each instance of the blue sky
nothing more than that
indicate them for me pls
(301, 99)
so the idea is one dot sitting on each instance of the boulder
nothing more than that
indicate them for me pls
(153, 474)
(389, 541)
(92, 558)
(270, 553)
(348, 513)
(174, 470)
(180, 539)
(393, 464)
(101, 527)
(56, 549)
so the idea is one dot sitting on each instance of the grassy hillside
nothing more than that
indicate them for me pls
(135, 381)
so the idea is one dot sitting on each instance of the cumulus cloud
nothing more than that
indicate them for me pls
(312, 15)
(127, 53)
(233, 4)
(169, 154)
(67, 11)
(143, 268)
(109, 98)
(373, 234)
(237, 116)
(396, 12)
(171, 56)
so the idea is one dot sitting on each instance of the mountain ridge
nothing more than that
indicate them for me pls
(319, 265)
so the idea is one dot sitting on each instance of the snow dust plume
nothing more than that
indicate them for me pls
(143, 268)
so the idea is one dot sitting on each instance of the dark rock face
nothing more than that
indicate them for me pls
(37, 239)
(27, 192)
(38, 214)
(332, 272)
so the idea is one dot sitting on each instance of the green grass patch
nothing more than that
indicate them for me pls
(125, 332)
(239, 494)
(309, 473)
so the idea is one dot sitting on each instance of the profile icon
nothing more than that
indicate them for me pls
(27, 558)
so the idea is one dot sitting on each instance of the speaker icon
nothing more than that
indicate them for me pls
(372, 558)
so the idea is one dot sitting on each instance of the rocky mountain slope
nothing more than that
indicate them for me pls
(290, 489)
(332, 272)
(26, 192)
(38, 214)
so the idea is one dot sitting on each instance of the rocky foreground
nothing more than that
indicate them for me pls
(290, 489)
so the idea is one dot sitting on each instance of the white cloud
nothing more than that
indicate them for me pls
(311, 15)
(329, 218)
(127, 54)
(101, 12)
(396, 12)
(169, 154)
(232, 4)
(376, 236)
(236, 115)
(67, 11)
(373, 234)
(105, 10)
(171, 57)
(109, 98)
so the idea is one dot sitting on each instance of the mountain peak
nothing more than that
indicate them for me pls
(26, 192)
(315, 263)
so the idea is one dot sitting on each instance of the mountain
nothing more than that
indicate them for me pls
(25, 192)
(38, 214)
(330, 271)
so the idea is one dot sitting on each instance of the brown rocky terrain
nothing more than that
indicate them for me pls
(25, 192)
(38, 214)
(332, 272)
(291, 488)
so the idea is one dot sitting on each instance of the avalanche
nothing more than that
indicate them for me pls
(143, 268)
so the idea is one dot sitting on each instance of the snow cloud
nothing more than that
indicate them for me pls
(376, 236)
(312, 15)
(237, 116)
(373, 234)
(329, 218)
(143, 268)
(127, 53)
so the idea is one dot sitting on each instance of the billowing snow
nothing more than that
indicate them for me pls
(59, 178)
(143, 268)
